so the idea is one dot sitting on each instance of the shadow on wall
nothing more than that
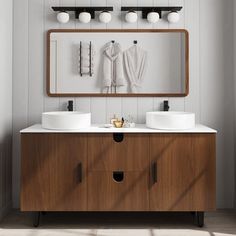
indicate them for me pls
(5, 173)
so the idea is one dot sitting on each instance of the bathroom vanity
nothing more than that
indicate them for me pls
(99, 169)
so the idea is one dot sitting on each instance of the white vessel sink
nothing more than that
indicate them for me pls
(170, 120)
(65, 120)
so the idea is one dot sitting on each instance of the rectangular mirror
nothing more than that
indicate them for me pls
(141, 62)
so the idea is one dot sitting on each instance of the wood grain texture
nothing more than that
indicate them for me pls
(104, 194)
(104, 154)
(50, 178)
(185, 172)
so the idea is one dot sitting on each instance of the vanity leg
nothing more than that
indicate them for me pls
(200, 218)
(37, 216)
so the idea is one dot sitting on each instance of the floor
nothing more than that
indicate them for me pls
(221, 223)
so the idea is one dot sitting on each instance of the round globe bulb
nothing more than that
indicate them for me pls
(153, 17)
(105, 17)
(63, 17)
(173, 17)
(131, 17)
(85, 17)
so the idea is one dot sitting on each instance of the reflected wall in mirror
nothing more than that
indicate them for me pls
(118, 63)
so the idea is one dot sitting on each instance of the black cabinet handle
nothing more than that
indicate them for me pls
(154, 172)
(80, 172)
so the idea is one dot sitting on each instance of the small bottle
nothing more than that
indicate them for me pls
(113, 119)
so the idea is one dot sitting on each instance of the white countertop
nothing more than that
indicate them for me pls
(140, 128)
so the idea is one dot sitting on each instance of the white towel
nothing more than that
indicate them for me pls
(135, 61)
(112, 65)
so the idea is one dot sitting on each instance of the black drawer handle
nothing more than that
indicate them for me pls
(154, 172)
(80, 172)
(118, 176)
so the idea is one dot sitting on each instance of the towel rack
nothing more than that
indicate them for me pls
(90, 59)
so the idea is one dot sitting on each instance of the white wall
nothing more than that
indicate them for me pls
(5, 106)
(211, 75)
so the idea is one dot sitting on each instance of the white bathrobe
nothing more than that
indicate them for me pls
(112, 69)
(135, 60)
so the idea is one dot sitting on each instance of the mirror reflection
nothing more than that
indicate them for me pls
(118, 63)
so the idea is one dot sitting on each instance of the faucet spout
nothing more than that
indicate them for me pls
(166, 106)
(70, 106)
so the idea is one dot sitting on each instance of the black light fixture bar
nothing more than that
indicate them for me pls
(78, 10)
(146, 10)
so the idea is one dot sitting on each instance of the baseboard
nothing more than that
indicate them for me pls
(5, 210)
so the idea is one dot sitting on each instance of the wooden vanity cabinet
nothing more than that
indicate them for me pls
(131, 154)
(107, 159)
(183, 172)
(53, 172)
(139, 172)
(107, 194)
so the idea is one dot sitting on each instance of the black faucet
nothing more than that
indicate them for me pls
(70, 105)
(166, 106)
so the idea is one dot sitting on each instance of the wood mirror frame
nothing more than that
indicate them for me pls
(184, 94)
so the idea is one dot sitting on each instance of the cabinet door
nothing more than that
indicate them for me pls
(131, 154)
(182, 172)
(107, 191)
(53, 169)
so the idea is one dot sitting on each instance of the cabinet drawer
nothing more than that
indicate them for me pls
(112, 191)
(105, 154)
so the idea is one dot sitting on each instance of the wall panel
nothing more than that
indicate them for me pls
(6, 108)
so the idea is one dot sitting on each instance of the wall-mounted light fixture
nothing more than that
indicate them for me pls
(105, 17)
(153, 17)
(173, 17)
(84, 17)
(84, 14)
(153, 14)
(131, 16)
(63, 17)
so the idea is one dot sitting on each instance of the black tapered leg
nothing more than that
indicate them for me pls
(200, 218)
(37, 216)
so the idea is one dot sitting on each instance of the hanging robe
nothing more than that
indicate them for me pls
(112, 69)
(135, 61)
